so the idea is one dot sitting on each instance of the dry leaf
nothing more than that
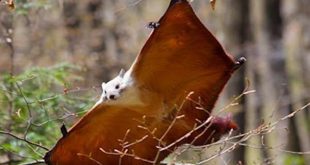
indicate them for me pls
(18, 112)
(212, 2)
(11, 4)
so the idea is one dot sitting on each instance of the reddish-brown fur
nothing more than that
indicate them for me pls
(180, 57)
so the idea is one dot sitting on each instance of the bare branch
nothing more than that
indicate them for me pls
(24, 140)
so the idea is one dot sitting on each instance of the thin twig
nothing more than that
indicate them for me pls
(24, 140)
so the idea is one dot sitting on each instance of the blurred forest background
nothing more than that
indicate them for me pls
(55, 54)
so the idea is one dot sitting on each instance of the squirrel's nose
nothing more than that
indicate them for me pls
(112, 97)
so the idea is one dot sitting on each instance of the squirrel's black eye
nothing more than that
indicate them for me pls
(105, 92)
(117, 86)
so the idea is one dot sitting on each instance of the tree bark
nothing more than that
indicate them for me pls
(296, 46)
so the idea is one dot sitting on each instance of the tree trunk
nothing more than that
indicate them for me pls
(296, 46)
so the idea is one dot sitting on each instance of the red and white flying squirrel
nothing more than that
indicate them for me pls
(169, 90)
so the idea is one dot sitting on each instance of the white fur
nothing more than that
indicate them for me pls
(120, 90)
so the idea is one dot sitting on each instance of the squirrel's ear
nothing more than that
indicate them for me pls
(103, 84)
(121, 73)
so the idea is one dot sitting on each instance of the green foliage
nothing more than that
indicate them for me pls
(24, 6)
(294, 160)
(37, 96)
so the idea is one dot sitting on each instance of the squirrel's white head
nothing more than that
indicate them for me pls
(112, 89)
